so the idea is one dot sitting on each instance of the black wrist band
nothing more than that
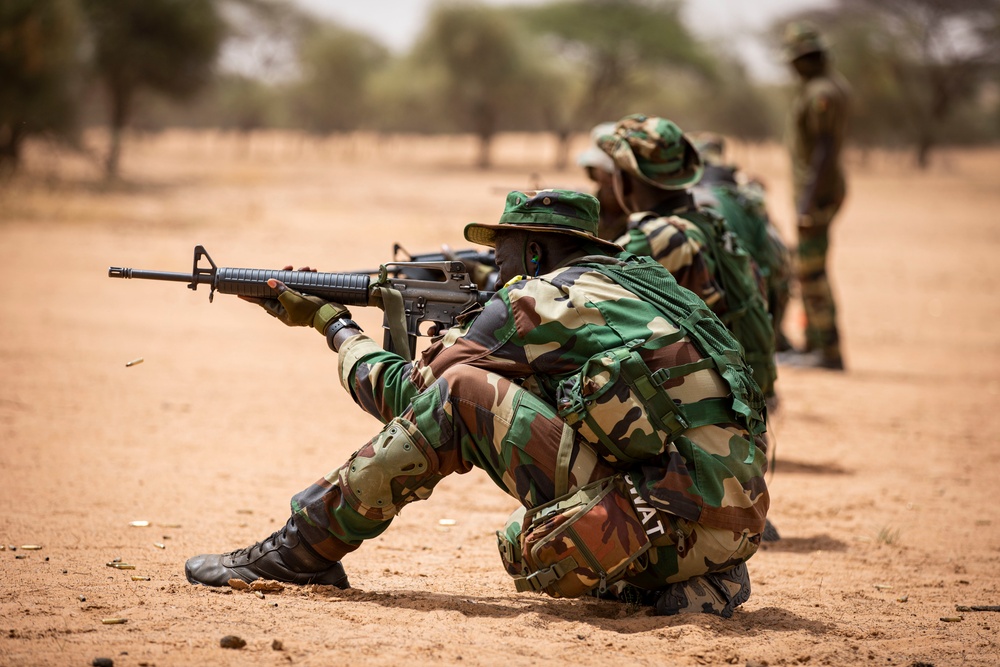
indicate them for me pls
(336, 326)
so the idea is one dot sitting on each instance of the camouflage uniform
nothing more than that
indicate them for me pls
(674, 234)
(817, 122)
(483, 396)
(741, 202)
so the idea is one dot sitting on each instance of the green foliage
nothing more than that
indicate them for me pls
(405, 98)
(474, 53)
(336, 65)
(232, 102)
(917, 67)
(38, 72)
(613, 44)
(169, 46)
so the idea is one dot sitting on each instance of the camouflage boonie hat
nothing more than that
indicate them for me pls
(802, 38)
(594, 156)
(654, 150)
(555, 211)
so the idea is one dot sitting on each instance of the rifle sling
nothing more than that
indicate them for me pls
(395, 318)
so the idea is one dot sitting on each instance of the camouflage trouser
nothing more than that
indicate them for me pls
(779, 282)
(817, 297)
(473, 418)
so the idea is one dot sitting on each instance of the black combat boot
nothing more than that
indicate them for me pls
(281, 557)
(717, 593)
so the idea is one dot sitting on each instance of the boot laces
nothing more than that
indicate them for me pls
(248, 551)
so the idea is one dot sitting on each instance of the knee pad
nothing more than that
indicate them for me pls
(390, 471)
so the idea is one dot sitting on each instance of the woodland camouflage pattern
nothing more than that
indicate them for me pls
(688, 241)
(675, 240)
(482, 395)
(820, 110)
(600, 517)
(655, 150)
(742, 203)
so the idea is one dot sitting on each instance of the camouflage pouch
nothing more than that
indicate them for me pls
(620, 407)
(582, 541)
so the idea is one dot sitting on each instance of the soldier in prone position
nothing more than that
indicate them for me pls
(591, 388)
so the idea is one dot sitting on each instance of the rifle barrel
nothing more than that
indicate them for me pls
(350, 289)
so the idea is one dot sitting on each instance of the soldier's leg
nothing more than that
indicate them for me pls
(468, 418)
(692, 568)
(817, 297)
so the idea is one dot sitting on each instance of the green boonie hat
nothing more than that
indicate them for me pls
(654, 150)
(555, 211)
(802, 38)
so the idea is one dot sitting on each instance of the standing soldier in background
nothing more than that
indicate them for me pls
(741, 201)
(816, 128)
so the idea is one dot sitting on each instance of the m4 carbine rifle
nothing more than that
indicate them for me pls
(413, 295)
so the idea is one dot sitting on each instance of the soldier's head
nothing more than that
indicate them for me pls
(601, 170)
(653, 160)
(804, 48)
(539, 230)
(712, 149)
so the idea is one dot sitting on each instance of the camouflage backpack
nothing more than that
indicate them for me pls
(656, 151)
(746, 313)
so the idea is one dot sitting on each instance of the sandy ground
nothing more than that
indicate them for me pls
(885, 491)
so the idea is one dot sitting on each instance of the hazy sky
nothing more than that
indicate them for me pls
(736, 23)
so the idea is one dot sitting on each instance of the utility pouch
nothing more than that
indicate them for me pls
(584, 540)
(620, 407)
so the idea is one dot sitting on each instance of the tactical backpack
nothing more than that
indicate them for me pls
(617, 382)
(746, 315)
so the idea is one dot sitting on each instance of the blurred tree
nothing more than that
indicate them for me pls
(169, 46)
(734, 105)
(913, 63)
(475, 54)
(38, 72)
(611, 43)
(336, 64)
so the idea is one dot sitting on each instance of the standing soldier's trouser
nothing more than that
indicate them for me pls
(817, 297)
(472, 418)
(779, 286)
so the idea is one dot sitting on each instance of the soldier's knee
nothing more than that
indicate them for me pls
(395, 468)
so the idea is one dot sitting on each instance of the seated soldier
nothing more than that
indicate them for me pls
(600, 169)
(591, 388)
(655, 167)
(741, 201)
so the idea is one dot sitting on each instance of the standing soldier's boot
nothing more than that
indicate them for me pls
(283, 556)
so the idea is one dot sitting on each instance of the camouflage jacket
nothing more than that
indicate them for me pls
(820, 107)
(680, 247)
(746, 215)
(537, 331)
